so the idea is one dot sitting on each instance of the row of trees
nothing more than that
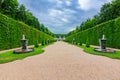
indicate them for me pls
(59, 35)
(19, 12)
(111, 30)
(107, 12)
(11, 32)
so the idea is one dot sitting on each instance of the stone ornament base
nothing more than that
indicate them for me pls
(105, 50)
(19, 51)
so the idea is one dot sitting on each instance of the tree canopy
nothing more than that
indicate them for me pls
(13, 9)
(107, 12)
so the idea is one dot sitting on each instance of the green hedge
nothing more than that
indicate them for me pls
(110, 29)
(11, 32)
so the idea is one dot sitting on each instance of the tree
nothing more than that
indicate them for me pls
(80, 43)
(110, 11)
(116, 8)
(12, 9)
(9, 7)
(1, 5)
(87, 43)
(36, 44)
(21, 13)
(95, 19)
(105, 13)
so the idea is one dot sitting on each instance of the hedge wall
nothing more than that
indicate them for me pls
(11, 32)
(110, 29)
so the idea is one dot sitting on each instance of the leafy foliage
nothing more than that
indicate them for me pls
(87, 43)
(107, 12)
(110, 29)
(11, 32)
(106, 22)
(36, 44)
(80, 43)
(13, 9)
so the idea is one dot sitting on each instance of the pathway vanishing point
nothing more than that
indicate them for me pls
(62, 61)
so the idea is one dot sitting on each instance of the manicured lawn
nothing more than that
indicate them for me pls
(9, 56)
(115, 55)
(90, 50)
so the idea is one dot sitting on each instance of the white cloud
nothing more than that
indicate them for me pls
(58, 3)
(109, 0)
(70, 11)
(68, 3)
(58, 19)
(84, 4)
(61, 13)
(71, 29)
(54, 12)
(58, 16)
(91, 4)
(64, 20)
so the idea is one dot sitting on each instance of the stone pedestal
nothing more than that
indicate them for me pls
(24, 44)
(73, 41)
(103, 44)
(24, 48)
(48, 41)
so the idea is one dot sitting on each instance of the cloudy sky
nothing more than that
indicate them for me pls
(62, 16)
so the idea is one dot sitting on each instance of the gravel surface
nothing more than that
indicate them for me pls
(62, 61)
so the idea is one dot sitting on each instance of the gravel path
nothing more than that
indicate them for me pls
(62, 61)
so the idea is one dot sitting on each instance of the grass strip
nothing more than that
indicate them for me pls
(115, 55)
(10, 56)
(90, 50)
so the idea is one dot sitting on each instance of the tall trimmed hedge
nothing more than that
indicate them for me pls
(11, 32)
(110, 29)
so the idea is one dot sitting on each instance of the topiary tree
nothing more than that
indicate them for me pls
(87, 43)
(43, 43)
(36, 44)
(80, 43)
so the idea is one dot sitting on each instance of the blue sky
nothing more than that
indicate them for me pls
(62, 16)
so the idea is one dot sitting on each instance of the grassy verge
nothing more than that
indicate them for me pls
(9, 56)
(90, 50)
(115, 55)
